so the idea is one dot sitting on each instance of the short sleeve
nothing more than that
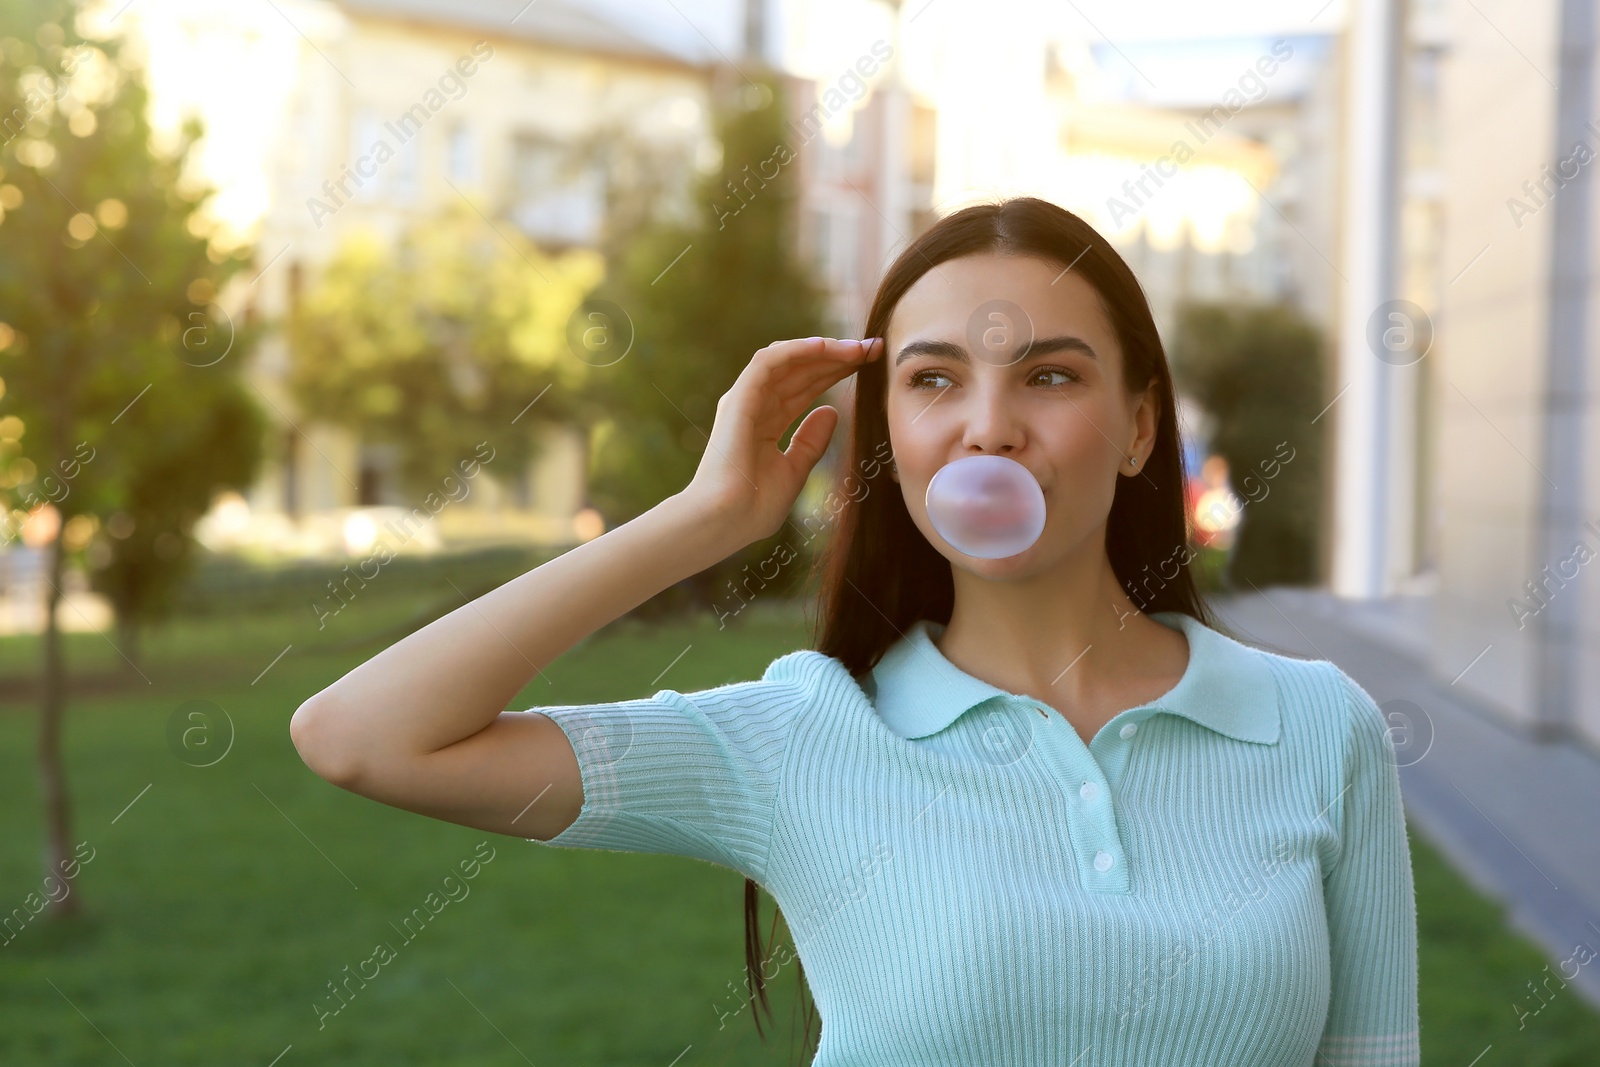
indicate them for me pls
(688, 774)
(1370, 900)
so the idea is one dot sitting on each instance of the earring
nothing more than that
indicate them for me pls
(1133, 460)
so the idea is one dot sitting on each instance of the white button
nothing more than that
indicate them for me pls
(1102, 861)
(1089, 791)
(1128, 730)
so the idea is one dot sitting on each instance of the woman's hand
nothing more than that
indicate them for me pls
(742, 475)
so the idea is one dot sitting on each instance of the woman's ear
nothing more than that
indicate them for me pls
(1147, 424)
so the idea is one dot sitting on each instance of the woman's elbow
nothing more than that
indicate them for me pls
(311, 729)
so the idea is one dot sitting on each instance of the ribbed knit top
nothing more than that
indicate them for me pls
(1220, 878)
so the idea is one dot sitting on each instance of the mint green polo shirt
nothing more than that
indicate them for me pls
(1220, 878)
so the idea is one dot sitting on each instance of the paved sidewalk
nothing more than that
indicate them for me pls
(1519, 819)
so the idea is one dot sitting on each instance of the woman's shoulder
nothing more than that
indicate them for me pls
(795, 685)
(1315, 693)
(825, 678)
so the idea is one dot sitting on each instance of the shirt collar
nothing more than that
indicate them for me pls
(1226, 687)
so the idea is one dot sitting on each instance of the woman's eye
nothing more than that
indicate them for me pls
(1070, 376)
(920, 380)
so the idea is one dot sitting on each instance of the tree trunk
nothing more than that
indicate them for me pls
(52, 772)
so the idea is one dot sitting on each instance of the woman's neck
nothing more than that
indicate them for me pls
(1073, 639)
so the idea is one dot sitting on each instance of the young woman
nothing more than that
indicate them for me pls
(1028, 810)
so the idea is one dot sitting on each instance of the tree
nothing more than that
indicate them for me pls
(194, 441)
(106, 306)
(1258, 370)
(443, 342)
(696, 299)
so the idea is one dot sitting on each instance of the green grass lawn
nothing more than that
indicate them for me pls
(221, 900)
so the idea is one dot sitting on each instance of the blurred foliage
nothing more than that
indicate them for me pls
(695, 300)
(441, 342)
(211, 436)
(1207, 569)
(1258, 371)
(120, 369)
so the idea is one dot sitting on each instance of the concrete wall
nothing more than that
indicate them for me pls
(1498, 118)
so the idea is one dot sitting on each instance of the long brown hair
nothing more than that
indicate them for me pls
(880, 574)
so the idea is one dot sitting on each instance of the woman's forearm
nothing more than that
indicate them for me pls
(451, 678)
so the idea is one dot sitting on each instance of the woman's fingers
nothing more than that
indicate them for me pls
(784, 378)
(811, 437)
(825, 371)
(799, 375)
(741, 471)
(782, 356)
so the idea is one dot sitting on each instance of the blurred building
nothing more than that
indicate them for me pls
(866, 189)
(1516, 612)
(865, 140)
(1213, 177)
(293, 95)
(1210, 161)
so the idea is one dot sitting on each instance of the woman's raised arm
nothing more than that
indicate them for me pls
(422, 725)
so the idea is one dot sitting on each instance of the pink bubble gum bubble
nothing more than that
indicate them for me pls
(989, 507)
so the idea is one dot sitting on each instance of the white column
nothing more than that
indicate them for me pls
(1366, 446)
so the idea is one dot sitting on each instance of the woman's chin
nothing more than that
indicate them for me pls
(997, 568)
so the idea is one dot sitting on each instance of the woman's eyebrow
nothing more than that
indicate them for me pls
(955, 353)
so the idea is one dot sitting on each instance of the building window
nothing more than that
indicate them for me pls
(405, 170)
(366, 173)
(462, 155)
(395, 179)
(853, 153)
(846, 241)
(817, 237)
(555, 196)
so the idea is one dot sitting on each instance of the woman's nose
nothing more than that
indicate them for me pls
(991, 425)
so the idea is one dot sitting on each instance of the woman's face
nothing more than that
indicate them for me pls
(1013, 356)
